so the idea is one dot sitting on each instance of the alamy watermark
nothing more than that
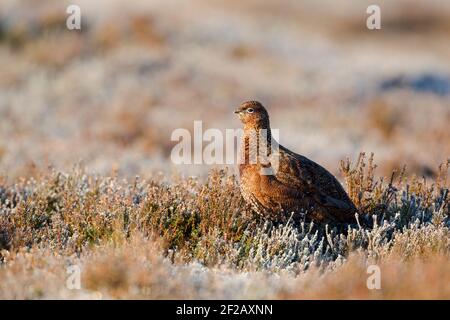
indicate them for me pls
(73, 281)
(374, 280)
(373, 21)
(73, 21)
(254, 147)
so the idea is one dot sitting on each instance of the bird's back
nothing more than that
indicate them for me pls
(298, 185)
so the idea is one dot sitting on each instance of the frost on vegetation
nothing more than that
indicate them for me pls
(208, 222)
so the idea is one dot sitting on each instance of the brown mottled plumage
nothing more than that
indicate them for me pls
(297, 187)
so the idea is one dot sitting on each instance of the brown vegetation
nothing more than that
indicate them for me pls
(200, 232)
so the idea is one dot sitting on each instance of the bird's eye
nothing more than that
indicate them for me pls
(250, 110)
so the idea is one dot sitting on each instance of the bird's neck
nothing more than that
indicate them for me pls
(261, 124)
(256, 144)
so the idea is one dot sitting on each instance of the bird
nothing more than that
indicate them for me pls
(282, 185)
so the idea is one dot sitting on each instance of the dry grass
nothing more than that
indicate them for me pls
(416, 279)
(130, 236)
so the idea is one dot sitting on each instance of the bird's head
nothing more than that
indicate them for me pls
(253, 115)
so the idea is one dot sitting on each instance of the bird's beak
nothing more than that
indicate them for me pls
(237, 111)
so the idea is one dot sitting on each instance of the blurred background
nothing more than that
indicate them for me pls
(111, 94)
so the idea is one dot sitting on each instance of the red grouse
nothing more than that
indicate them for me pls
(279, 183)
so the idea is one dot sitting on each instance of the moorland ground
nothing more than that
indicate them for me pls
(84, 112)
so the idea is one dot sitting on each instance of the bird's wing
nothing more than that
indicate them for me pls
(308, 178)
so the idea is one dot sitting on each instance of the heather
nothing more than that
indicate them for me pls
(184, 225)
